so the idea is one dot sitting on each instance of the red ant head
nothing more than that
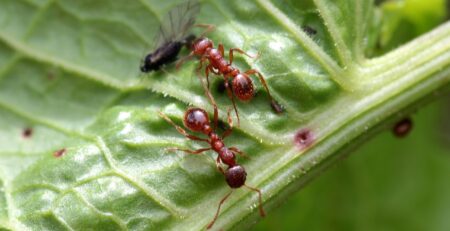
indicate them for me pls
(197, 120)
(243, 87)
(201, 45)
(235, 176)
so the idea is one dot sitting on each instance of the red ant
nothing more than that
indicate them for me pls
(197, 120)
(241, 83)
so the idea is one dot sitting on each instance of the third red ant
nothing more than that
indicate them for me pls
(197, 120)
(241, 84)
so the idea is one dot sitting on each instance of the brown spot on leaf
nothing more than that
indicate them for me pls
(59, 153)
(50, 76)
(27, 132)
(304, 138)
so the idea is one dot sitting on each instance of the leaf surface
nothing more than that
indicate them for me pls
(69, 74)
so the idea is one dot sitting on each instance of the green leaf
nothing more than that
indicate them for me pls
(69, 72)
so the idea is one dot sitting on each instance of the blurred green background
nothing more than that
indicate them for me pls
(389, 183)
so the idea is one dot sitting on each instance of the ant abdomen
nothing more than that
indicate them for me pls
(236, 176)
(242, 86)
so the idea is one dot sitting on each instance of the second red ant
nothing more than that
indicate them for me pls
(241, 84)
(197, 120)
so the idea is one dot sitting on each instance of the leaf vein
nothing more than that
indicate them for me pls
(148, 191)
(310, 46)
(82, 72)
(116, 219)
(332, 27)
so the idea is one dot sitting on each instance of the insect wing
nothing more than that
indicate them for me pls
(177, 23)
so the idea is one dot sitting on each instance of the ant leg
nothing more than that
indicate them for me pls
(230, 123)
(207, 70)
(211, 68)
(231, 96)
(221, 49)
(242, 52)
(278, 108)
(261, 79)
(181, 130)
(218, 210)
(238, 151)
(213, 102)
(261, 210)
(207, 75)
(208, 28)
(218, 166)
(202, 59)
(200, 66)
(194, 152)
(184, 59)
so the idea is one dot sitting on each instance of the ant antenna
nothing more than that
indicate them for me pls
(208, 28)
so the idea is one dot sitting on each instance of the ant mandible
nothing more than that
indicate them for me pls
(241, 83)
(197, 120)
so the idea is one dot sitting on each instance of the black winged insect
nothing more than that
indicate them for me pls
(172, 36)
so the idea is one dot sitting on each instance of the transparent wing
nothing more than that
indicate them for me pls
(176, 24)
